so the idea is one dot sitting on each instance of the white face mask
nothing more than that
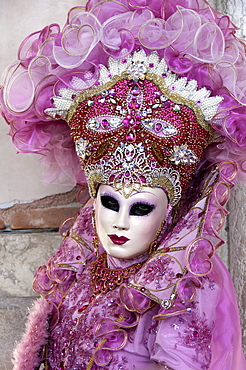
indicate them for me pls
(126, 227)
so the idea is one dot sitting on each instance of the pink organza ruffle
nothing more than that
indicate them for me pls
(196, 41)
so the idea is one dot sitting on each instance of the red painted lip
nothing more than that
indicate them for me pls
(118, 239)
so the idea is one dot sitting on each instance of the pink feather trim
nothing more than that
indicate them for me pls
(26, 354)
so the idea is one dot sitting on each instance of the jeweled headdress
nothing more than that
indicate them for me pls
(138, 87)
(140, 125)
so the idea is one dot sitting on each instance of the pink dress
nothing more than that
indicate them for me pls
(176, 310)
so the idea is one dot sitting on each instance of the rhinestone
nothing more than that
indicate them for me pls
(93, 124)
(148, 123)
(112, 100)
(176, 108)
(115, 121)
(155, 106)
(81, 147)
(166, 304)
(90, 103)
(140, 148)
(175, 326)
(169, 130)
(102, 100)
(130, 148)
(163, 98)
(183, 155)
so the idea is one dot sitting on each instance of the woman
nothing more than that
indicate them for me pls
(136, 282)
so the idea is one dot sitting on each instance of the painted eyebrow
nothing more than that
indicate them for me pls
(144, 192)
(108, 195)
(145, 202)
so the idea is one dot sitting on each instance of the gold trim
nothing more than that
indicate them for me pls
(91, 361)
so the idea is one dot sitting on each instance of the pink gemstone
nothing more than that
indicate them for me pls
(137, 106)
(81, 309)
(135, 92)
(138, 116)
(178, 275)
(128, 117)
(158, 127)
(130, 137)
(104, 123)
(75, 321)
(167, 104)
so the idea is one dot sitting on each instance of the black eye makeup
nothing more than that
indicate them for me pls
(110, 203)
(141, 209)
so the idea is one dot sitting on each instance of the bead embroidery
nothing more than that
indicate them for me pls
(104, 279)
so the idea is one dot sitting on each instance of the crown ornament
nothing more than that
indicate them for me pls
(140, 125)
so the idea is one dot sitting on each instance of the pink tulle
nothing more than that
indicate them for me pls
(195, 40)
